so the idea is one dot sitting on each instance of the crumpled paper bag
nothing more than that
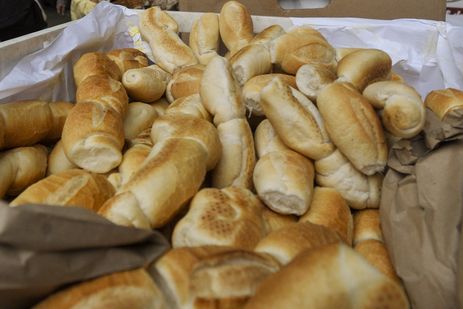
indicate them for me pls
(44, 247)
(421, 212)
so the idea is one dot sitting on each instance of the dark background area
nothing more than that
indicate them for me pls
(53, 18)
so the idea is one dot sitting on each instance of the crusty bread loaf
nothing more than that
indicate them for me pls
(229, 217)
(286, 243)
(367, 226)
(160, 106)
(154, 16)
(363, 67)
(185, 81)
(296, 120)
(128, 289)
(250, 94)
(445, 103)
(235, 25)
(128, 58)
(267, 35)
(328, 208)
(190, 105)
(145, 84)
(132, 160)
(320, 53)
(69, 188)
(353, 126)
(359, 190)
(251, 60)
(21, 167)
(332, 276)
(204, 37)
(220, 93)
(57, 160)
(140, 116)
(26, 123)
(401, 109)
(275, 221)
(311, 78)
(93, 64)
(267, 140)
(169, 51)
(236, 164)
(284, 182)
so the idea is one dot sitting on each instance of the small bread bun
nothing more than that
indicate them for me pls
(159, 18)
(140, 116)
(250, 61)
(311, 78)
(445, 103)
(145, 84)
(322, 54)
(128, 58)
(185, 81)
(190, 105)
(204, 37)
(235, 24)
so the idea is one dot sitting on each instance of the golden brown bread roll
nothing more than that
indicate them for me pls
(367, 226)
(185, 81)
(26, 123)
(204, 37)
(235, 25)
(128, 289)
(220, 93)
(250, 94)
(73, 187)
(251, 60)
(236, 164)
(57, 160)
(132, 160)
(353, 126)
(140, 116)
(228, 217)
(267, 35)
(275, 221)
(329, 209)
(190, 105)
(286, 243)
(160, 106)
(311, 78)
(445, 103)
(146, 84)
(128, 58)
(363, 67)
(320, 53)
(332, 276)
(401, 108)
(159, 18)
(93, 64)
(296, 120)
(359, 190)
(21, 167)
(342, 52)
(267, 140)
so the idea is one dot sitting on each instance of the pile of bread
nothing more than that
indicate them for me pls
(262, 166)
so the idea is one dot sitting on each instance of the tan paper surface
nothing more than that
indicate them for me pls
(45, 247)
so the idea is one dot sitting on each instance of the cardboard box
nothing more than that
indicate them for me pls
(376, 9)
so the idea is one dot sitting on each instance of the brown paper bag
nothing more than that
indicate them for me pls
(43, 248)
(421, 211)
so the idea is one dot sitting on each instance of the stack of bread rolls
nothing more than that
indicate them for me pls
(265, 160)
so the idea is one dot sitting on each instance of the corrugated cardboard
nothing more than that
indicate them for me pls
(376, 9)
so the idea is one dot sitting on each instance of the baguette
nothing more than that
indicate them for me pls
(145, 84)
(250, 61)
(190, 105)
(311, 78)
(57, 160)
(140, 116)
(235, 25)
(185, 81)
(128, 58)
(204, 37)
(445, 103)
(95, 64)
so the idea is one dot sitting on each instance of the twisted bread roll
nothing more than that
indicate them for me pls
(140, 116)
(21, 167)
(251, 60)
(93, 64)
(146, 84)
(353, 126)
(235, 24)
(190, 105)
(26, 123)
(185, 81)
(401, 108)
(204, 37)
(128, 58)
(445, 103)
(57, 160)
(229, 217)
(320, 53)
(311, 78)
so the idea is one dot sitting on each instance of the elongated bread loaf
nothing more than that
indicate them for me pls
(296, 120)
(320, 53)
(140, 116)
(156, 17)
(185, 81)
(353, 126)
(145, 84)
(57, 160)
(267, 140)
(235, 25)
(367, 226)
(128, 58)
(190, 105)
(275, 221)
(95, 64)
(445, 103)
(311, 78)
(160, 106)
(21, 167)
(251, 60)
(69, 188)
(132, 160)
(205, 37)
(229, 217)
(267, 35)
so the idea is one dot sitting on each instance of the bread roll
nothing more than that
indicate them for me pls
(332, 276)
(360, 191)
(143, 138)
(396, 77)
(220, 93)
(169, 51)
(190, 105)
(286, 243)
(73, 187)
(363, 67)
(160, 106)
(267, 140)
(296, 120)
(204, 37)
(275, 221)
(367, 226)
(185, 81)
(57, 160)
(236, 165)
(250, 61)
(26, 123)
(21, 167)
(132, 160)
(145, 84)
(284, 182)
(128, 289)
(95, 64)
(353, 126)
(140, 116)
(267, 35)
(319, 53)
(226, 217)
(251, 91)
(155, 16)
(235, 25)
(445, 103)
(342, 52)
(115, 180)
(128, 58)
(401, 108)
(328, 208)
(311, 78)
